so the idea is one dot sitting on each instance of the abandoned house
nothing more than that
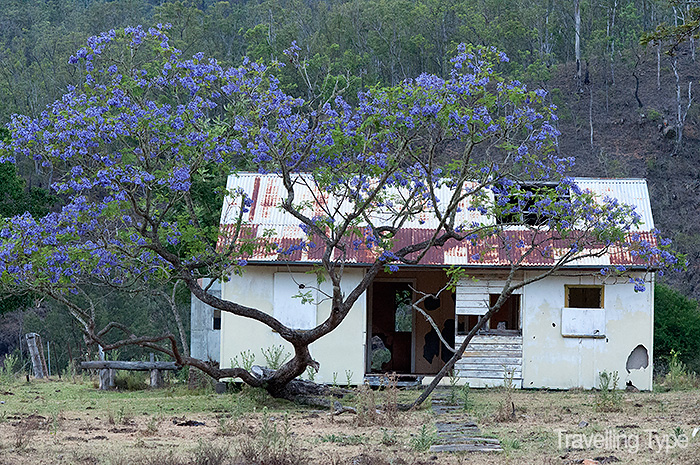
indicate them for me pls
(560, 332)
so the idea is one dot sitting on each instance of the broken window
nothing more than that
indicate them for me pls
(638, 359)
(507, 318)
(403, 320)
(584, 296)
(465, 323)
(530, 205)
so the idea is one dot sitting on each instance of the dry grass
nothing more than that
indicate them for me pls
(39, 425)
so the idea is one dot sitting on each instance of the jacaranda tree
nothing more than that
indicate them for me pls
(139, 152)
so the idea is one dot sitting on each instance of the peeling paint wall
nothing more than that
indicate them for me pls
(551, 360)
(344, 349)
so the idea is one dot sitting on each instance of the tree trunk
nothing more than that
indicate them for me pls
(299, 390)
(449, 366)
(590, 113)
(679, 110)
(178, 322)
(577, 41)
(658, 66)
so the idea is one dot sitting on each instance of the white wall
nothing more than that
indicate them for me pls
(204, 339)
(553, 361)
(341, 350)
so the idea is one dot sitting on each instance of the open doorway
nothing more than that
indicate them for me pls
(402, 340)
(391, 327)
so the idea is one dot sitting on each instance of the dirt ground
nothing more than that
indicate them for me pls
(73, 423)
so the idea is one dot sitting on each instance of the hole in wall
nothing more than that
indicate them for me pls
(554, 325)
(431, 303)
(638, 358)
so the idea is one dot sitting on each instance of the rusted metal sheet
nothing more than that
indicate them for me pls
(283, 234)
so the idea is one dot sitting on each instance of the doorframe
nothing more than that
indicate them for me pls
(370, 297)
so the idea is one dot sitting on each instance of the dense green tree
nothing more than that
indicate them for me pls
(676, 326)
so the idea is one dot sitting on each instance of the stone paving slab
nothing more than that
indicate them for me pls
(456, 433)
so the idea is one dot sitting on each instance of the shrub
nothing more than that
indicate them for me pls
(130, 381)
(654, 115)
(676, 327)
(11, 365)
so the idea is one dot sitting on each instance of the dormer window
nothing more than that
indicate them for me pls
(529, 204)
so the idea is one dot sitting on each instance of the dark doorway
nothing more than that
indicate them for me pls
(392, 327)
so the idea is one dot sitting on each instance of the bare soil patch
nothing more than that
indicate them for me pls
(62, 423)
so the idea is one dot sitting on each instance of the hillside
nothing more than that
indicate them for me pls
(629, 141)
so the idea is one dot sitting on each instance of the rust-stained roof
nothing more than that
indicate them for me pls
(264, 216)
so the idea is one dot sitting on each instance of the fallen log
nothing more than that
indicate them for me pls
(134, 366)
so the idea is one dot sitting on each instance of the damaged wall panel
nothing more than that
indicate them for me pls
(638, 359)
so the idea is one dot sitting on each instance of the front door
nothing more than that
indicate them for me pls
(392, 322)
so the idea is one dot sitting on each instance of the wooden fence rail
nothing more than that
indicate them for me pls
(107, 369)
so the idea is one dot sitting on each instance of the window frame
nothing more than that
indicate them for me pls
(568, 287)
(216, 320)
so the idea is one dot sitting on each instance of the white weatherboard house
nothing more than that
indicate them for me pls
(560, 332)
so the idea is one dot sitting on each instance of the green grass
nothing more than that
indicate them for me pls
(47, 398)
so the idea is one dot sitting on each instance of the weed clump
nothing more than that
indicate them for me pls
(608, 398)
(203, 454)
(506, 408)
(11, 366)
(273, 445)
(423, 440)
(366, 404)
(679, 377)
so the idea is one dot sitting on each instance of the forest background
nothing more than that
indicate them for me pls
(630, 110)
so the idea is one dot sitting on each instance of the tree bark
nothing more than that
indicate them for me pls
(577, 41)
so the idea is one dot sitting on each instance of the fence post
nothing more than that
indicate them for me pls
(156, 375)
(36, 352)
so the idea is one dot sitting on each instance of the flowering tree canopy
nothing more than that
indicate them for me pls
(140, 152)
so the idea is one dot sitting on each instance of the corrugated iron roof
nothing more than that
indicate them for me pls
(628, 191)
(265, 216)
